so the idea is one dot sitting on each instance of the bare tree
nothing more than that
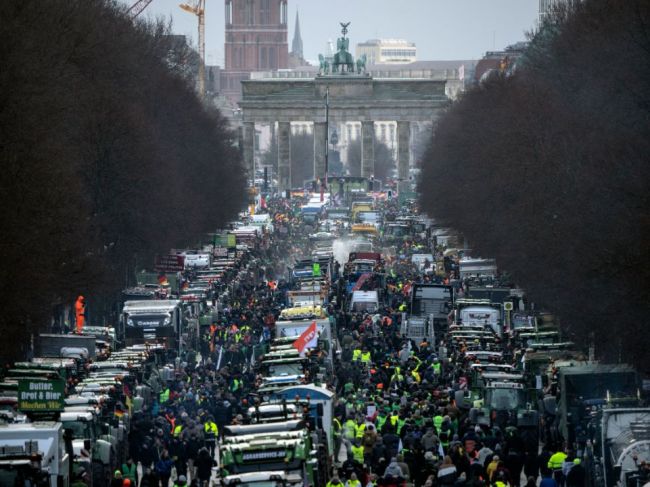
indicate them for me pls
(547, 169)
(106, 152)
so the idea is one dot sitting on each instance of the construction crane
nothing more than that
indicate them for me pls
(197, 7)
(137, 8)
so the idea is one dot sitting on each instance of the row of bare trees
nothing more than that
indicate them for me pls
(107, 156)
(548, 169)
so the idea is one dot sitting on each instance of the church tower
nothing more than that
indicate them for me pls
(296, 44)
(296, 56)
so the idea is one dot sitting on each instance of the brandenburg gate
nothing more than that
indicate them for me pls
(353, 96)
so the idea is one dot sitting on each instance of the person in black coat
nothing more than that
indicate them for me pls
(391, 441)
(577, 475)
(204, 464)
(149, 479)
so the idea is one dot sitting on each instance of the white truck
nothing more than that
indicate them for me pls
(151, 321)
(364, 301)
(89, 442)
(476, 267)
(479, 312)
(34, 454)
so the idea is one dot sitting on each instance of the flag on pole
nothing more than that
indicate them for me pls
(307, 336)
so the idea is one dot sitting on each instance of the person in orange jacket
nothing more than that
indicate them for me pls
(80, 313)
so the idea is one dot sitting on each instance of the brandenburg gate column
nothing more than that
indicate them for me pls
(249, 146)
(284, 155)
(403, 153)
(367, 148)
(320, 130)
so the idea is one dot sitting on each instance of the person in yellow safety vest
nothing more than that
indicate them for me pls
(416, 375)
(381, 420)
(350, 429)
(236, 385)
(402, 307)
(501, 480)
(163, 397)
(335, 482)
(400, 424)
(397, 375)
(414, 372)
(354, 481)
(394, 419)
(437, 367)
(357, 452)
(337, 430)
(360, 429)
(555, 464)
(211, 431)
(365, 357)
(177, 430)
(356, 354)
(437, 422)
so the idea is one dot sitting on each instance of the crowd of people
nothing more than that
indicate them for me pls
(396, 421)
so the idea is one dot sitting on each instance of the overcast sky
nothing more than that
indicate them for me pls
(441, 29)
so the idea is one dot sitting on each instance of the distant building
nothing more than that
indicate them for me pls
(387, 51)
(499, 61)
(459, 74)
(546, 7)
(256, 40)
(296, 57)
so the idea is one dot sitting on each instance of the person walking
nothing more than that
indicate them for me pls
(164, 468)
(555, 464)
(130, 471)
(204, 464)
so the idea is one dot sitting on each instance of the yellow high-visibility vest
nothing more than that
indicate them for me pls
(210, 428)
(357, 453)
(360, 429)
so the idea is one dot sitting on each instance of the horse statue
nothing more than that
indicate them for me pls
(361, 64)
(324, 65)
(342, 57)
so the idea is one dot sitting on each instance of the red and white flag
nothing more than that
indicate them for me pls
(309, 335)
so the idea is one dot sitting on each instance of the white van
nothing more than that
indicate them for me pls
(196, 260)
(364, 301)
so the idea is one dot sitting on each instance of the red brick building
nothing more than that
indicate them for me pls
(256, 40)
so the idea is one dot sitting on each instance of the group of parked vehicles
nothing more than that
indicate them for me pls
(65, 411)
(518, 370)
